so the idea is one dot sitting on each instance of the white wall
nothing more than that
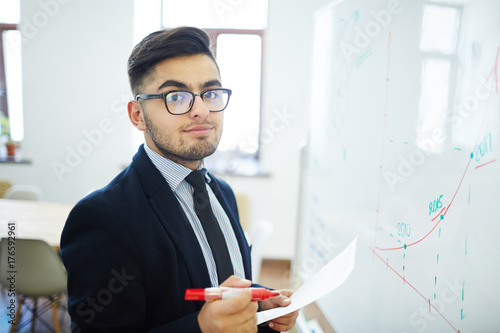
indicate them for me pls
(75, 82)
(287, 66)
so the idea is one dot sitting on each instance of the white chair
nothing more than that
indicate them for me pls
(24, 192)
(259, 234)
(39, 272)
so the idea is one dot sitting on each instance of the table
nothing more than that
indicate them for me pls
(34, 219)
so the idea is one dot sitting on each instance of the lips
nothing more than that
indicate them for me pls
(199, 129)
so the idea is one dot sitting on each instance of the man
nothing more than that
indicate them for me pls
(132, 248)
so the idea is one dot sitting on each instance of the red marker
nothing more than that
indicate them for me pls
(212, 294)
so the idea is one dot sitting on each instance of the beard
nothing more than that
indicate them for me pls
(178, 149)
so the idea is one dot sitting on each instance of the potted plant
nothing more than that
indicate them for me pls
(5, 134)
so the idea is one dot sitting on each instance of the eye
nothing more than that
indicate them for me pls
(175, 97)
(211, 94)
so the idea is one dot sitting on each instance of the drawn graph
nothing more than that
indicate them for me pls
(440, 217)
(425, 212)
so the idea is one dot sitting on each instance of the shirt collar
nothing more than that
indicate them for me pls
(174, 173)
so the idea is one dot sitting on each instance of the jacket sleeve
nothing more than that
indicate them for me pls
(105, 279)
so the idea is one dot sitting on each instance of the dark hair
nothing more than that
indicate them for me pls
(162, 45)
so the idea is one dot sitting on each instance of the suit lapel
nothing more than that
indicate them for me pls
(172, 218)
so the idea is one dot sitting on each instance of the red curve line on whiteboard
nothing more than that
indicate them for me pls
(438, 215)
(482, 165)
(405, 281)
(389, 41)
(493, 76)
(421, 239)
(408, 245)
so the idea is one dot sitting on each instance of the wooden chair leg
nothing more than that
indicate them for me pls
(18, 314)
(55, 317)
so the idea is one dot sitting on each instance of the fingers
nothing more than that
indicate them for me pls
(249, 318)
(274, 302)
(284, 323)
(285, 302)
(284, 298)
(286, 292)
(249, 326)
(238, 303)
(236, 314)
(281, 300)
(278, 301)
(236, 282)
(240, 309)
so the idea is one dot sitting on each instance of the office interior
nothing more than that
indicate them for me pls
(74, 83)
(77, 136)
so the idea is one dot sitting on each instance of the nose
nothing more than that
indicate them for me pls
(199, 108)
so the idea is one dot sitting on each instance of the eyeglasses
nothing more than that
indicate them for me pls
(181, 101)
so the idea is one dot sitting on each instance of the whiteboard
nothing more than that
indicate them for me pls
(403, 151)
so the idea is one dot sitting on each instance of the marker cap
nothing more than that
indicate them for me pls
(195, 295)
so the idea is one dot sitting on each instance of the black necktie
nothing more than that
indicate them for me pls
(210, 225)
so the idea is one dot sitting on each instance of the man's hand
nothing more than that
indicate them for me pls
(236, 314)
(283, 323)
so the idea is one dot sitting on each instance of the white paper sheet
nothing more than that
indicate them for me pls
(327, 279)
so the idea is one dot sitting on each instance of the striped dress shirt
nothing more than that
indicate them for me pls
(174, 175)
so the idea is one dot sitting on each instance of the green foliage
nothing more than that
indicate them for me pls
(5, 125)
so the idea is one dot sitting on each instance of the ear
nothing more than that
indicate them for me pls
(136, 116)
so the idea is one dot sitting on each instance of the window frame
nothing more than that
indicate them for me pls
(4, 105)
(453, 60)
(214, 33)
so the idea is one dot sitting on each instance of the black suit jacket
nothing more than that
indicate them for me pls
(130, 253)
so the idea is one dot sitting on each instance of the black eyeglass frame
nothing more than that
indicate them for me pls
(164, 95)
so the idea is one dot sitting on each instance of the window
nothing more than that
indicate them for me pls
(439, 29)
(215, 14)
(237, 29)
(10, 68)
(239, 56)
(438, 44)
